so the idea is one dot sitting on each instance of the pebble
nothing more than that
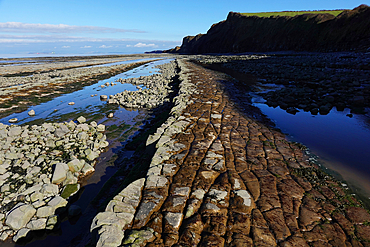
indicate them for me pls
(31, 113)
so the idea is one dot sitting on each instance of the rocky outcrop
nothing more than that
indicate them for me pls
(221, 178)
(308, 32)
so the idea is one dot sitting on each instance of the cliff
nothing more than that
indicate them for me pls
(308, 32)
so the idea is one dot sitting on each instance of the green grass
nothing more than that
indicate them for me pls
(293, 13)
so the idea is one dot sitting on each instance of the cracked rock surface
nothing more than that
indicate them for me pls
(221, 178)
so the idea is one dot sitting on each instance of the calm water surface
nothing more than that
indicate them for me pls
(342, 143)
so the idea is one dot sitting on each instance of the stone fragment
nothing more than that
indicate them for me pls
(60, 173)
(37, 224)
(45, 211)
(31, 113)
(20, 216)
(13, 120)
(21, 234)
(81, 119)
(75, 165)
(58, 202)
(100, 128)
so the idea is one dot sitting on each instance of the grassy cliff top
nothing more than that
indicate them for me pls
(294, 13)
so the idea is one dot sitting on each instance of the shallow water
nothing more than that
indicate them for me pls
(82, 98)
(341, 143)
(71, 229)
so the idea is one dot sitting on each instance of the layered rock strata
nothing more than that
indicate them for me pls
(221, 178)
(308, 32)
(39, 169)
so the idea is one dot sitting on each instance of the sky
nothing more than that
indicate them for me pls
(63, 27)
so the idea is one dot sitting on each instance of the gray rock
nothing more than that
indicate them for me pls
(155, 181)
(45, 211)
(75, 165)
(103, 97)
(31, 113)
(13, 120)
(21, 234)
(61, 131)
(58, 202)
(110, 236)
(60, 173)
(20, 216)
(15, 131)
(49, 189)
(91, 155)
(37, 224)
(174, 219)
(101, 128)
(81, 119)
(247, 199)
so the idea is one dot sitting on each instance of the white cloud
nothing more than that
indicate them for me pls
(144, 45)
(86, 46)
(105, 46)
(66, 46)
(20, 27)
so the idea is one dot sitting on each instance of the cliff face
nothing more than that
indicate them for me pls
(309, 32)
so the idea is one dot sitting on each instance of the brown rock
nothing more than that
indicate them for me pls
(239, 223)
(291, 188)
(294, 242)
(275, 220)
(308, 219)
(344, 223)
(357, 215)
(327, 192)
(304, 183)
(211, 240)
(363, 232)
(260, 231)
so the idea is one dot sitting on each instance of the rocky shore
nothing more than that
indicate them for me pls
(221, 178)
(155, 92)
(40, 166)
(310, 82)
(18, 92)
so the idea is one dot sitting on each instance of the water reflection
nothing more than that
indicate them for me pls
(340, 141)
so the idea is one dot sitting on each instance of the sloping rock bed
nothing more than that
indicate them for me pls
(155, 93)
(220, 178)
(39, 169)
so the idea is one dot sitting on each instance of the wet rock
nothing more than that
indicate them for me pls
(31, 113)
(74, 210)
(81, 119)
(13, 120)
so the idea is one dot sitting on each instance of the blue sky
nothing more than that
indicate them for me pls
(124, 26)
